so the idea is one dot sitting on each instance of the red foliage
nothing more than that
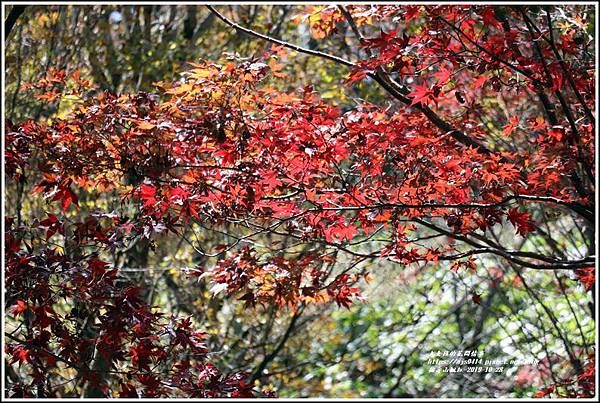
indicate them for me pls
(581, 386)
(223, 147)
(127, 328)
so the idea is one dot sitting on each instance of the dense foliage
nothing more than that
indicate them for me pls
(466, 151)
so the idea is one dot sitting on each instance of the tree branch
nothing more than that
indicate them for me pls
(12, 18)
(261, 367)
(288, 45)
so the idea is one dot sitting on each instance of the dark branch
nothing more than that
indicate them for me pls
(12, 18)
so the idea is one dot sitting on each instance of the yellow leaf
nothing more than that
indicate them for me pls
(201, 73)
(146, 125)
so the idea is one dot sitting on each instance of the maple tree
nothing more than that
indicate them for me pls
(438, 176)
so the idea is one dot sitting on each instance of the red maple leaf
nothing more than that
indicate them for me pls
(521, 221)
(21, 354)
(19, 308)
(423, 94)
